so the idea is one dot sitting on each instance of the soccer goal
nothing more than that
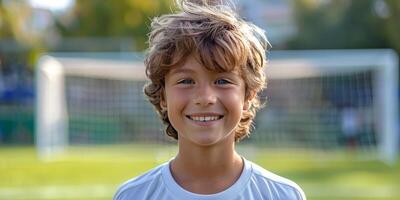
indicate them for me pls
(322, 100)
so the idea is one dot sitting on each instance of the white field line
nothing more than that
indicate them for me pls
(105, 191)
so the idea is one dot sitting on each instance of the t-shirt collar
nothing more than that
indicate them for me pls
(229, 193)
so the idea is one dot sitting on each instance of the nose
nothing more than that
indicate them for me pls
(205, 95)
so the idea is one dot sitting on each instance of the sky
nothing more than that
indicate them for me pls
(54, 5)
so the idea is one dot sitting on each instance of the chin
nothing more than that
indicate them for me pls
(207, 141)
(204, 141)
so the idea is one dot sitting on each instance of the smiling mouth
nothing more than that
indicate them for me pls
(205, 118)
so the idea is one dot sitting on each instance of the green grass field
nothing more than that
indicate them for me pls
(96, 173)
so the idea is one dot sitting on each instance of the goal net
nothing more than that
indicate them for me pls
(319, 100)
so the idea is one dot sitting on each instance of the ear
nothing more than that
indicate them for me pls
(249, 97)
(163, 103)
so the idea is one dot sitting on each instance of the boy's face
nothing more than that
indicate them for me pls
(203, 106)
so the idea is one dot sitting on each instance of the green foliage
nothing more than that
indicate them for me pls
(128, 18)
(391, 25)
(15, 23)
(346, 24)
(5, 27)
(21, 39)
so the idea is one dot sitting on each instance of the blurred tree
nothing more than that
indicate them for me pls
(16, 23)
(118, 18)
(347, 24)
(391, 23)
(18, 36)
(5, 29)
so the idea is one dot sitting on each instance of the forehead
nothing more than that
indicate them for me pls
(192, 64)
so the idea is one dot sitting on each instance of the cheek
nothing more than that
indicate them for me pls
(176, 98)
(233, 100)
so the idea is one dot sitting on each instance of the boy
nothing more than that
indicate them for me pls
(205, 67)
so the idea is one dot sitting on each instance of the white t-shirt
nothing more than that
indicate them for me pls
(255, 183)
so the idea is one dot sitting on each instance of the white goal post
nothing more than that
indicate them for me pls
(52, 115)
(51, 107)
(384, 63)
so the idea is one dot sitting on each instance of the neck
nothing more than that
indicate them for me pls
(206, 163)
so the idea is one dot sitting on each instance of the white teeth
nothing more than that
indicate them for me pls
(204, 118)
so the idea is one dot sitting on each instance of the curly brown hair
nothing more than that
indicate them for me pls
(219, 39)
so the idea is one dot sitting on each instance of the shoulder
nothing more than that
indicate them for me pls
(141, 186)
(275, 185)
